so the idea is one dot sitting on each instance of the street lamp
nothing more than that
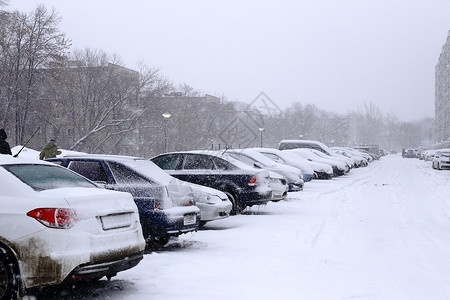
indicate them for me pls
(166, 117)
(301, 135)
(261, 130)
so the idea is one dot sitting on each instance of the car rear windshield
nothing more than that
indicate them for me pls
(46, 177)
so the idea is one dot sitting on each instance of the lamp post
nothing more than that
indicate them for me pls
(301, 136)
(166, 117)
(261, 130)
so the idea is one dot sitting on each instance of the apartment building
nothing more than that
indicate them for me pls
(442, 96)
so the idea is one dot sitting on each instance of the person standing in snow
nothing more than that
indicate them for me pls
(50, 150)
(4, 146)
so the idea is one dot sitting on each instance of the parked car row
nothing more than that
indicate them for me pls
(439, 158)
(74, 217)
(255, 176)
(81, 216)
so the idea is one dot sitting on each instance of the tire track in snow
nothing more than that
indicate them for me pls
(379, 224)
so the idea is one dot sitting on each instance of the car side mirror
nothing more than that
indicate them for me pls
(257, 166)
(101, 183)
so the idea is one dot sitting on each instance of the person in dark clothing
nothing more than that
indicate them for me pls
(4, 146)
(50, 150)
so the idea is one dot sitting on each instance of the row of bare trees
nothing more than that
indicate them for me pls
(89, 101)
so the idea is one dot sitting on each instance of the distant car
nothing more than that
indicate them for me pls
(166, 205)
(286, 158)
(358, 159)
(441, 159)
(409, 153)
(315, 145)
(339, 168)
(429, 155)
(321, 170)
(372, 150)
(58, 227)
(244, 186)
(293, 175)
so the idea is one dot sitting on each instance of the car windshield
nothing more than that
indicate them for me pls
(47, 177)
(148, 169)
(260, 158)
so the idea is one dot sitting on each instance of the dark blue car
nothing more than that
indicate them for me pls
(244, 185)
(166, 205)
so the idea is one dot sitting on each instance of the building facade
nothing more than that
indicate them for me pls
(442, 96)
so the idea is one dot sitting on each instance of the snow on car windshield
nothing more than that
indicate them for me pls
(149, 170)
(46, 177)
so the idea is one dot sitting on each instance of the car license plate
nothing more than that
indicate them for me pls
(190, 219)
(116, 221)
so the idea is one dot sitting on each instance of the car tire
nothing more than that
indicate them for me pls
(9, 285)
(237, 207)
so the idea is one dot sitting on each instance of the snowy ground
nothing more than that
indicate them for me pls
(380, 232)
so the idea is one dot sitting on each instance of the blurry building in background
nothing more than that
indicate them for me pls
(442, 97)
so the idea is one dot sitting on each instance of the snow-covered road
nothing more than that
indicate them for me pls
(380, 232)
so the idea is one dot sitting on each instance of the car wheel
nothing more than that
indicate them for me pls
(237, 207)
(161, 241)
(8, 283)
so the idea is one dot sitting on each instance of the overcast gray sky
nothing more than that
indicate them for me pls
(337, 54)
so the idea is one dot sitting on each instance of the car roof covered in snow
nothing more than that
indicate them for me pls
(142, 165)
(9, 160)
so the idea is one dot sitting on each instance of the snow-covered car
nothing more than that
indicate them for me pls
(213, 204)
(366, 154)
(333, 158)
(58, 227)
(441, 159)
(429, 155)
(339, 168)
(358, 159)
(321, 170)
(166, 205)
(293, 175)
(279, 186)
(245, 186)
(290, 159)
(408, 153)
(315, 145)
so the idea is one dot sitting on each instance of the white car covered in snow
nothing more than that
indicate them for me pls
(441, 159)
(286, 158)
(358, 159)
(58, 227)
(339, 168)
(213, 204)
(315, 145)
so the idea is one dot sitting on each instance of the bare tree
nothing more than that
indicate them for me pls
(28, 43)
(188, 91)
(95, 100)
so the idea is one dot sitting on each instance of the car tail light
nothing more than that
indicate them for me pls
(253, 181)
(159, 204)
(61, 218)
(187, 201)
